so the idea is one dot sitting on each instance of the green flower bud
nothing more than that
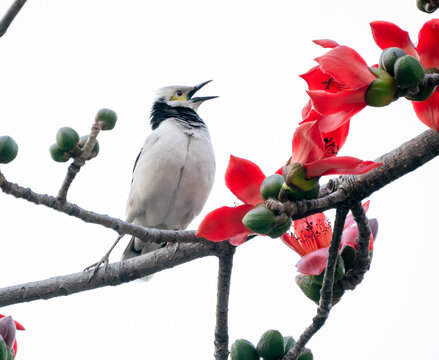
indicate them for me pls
(95, 150)
(107, 118)
(309, 287)
(388, 58)
(424, 92)
(243, 350)
(5, 351)
(281, 225)
(8, 149)
(339, 273)
(348, 253)
(306, 355)
(271, 345)
(297, 186)
(58, 154)
(382, 90)
(289, 343)
(408, 72)
(425, 6)
(67, 138)
(259, 220)
(271, 186)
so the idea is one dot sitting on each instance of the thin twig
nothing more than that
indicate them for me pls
(362, 260)
(10, 15)
(79, 162)
(222, 305)
(325, 303)
(116, 274)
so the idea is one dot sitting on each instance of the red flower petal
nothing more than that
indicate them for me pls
(238, 239)
(313, 263)
(343, 165)
(308, 145)
(224, 223)
(316, 79)
(326, 43)
(327, 123)
(428, 111)
(350, 236)
(244, 179)
(347, 67)
(346, 102)
(387, 34)
(428, 48)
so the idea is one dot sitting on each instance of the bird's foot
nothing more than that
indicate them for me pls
(97, 265)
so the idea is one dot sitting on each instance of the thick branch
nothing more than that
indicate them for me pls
(326, 293)
(362, 260)
(122, 227)
(116, 274)
(349, 190)
(10, 15)
(222, 305)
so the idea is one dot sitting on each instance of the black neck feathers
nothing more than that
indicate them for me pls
(161, 111)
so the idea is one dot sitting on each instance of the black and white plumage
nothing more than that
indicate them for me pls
(174, 172)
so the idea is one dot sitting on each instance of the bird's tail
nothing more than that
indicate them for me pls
(136, 247)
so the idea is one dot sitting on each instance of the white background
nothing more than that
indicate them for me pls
(61, 61)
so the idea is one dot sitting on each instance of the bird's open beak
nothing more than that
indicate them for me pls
(201, 98)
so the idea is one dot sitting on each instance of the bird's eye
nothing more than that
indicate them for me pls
(179, 93)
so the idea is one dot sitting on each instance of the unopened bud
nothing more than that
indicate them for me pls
(382, 90)
(297, 186)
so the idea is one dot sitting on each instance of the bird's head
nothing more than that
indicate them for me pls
(182, 96)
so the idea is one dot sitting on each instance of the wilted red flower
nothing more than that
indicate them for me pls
(387, 34)
(317, 152)
(312, 236)
(244, 179)
(337, 86)
(8, 326)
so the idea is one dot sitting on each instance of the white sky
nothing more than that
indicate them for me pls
(61, 61)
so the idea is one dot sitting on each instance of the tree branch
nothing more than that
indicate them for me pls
(118, 225)
(362, 260)
(348, 190)
(222, 305)
(116, 274)
(325, 303)
(10, 16)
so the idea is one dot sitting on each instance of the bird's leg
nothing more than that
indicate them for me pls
(104, 260)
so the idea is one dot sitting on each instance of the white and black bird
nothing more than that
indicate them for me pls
(174, 172)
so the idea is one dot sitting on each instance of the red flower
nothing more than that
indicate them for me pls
(387, 34)
(337, 85)
(312, 236)
(317, 152)
(244, 179)
(18, 326)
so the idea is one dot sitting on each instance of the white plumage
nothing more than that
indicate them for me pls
(175, 169)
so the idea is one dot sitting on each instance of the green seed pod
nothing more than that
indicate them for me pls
(425, 6)
(107, 118)
(291, 194)
(58, 154)
(339, 273)
(259, 220)
(243, 350)
(67, 138)
(95, 150)
(424, 92)
(289, 343)
(382, 90)
(280, 226)
(309, 287)
(408, 72)
(306, 355)
(388, 58)
(271, 345)
(8, 149)
(271, 186)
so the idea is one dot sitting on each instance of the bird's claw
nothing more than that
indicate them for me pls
(96, 266)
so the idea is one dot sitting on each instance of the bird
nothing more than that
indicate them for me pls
(175, 169)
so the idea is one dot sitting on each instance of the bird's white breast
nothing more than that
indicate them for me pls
(172, 178)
